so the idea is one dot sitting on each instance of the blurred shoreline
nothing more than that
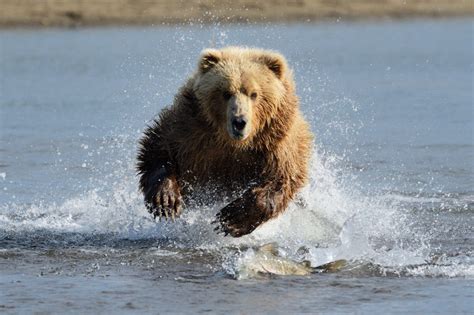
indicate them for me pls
(71, 13)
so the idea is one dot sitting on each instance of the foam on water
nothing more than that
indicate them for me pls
(331, 220)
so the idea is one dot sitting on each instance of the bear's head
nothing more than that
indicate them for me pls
(241, 91)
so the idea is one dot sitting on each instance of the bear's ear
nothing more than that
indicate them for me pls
(209, 58)
(275, 62)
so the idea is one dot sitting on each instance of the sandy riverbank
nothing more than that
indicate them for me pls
(154, 12)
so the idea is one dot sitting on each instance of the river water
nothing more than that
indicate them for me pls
(391, 189)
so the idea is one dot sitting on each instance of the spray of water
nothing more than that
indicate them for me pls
(330, 219)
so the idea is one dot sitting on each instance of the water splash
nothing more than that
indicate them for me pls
(330, 220)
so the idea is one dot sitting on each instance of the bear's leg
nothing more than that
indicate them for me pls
(157, 180)
(162, 194)
(285, 173)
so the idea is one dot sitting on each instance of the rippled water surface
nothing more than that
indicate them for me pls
(391, 187)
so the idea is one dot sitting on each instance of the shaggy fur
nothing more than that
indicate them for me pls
(189, 144)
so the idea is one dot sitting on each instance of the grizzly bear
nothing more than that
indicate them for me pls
(235, 124)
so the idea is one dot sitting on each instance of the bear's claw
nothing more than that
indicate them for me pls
(236, 225)
(167, 203)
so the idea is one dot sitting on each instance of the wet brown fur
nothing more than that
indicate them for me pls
(189, 144)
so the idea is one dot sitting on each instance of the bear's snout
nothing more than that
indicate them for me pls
(239, 117)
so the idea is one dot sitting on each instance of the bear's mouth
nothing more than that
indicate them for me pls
(237, 136)
(238, 128)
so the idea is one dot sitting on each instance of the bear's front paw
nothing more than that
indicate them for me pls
(241, 216)
(167, 202)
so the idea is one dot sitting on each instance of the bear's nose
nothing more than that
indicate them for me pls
(238, 123)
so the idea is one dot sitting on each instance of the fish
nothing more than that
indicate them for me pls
(266, 260)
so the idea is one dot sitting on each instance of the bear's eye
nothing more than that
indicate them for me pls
(253, 95)
(227, 95)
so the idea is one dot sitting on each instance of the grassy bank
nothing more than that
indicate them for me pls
(153, 12)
